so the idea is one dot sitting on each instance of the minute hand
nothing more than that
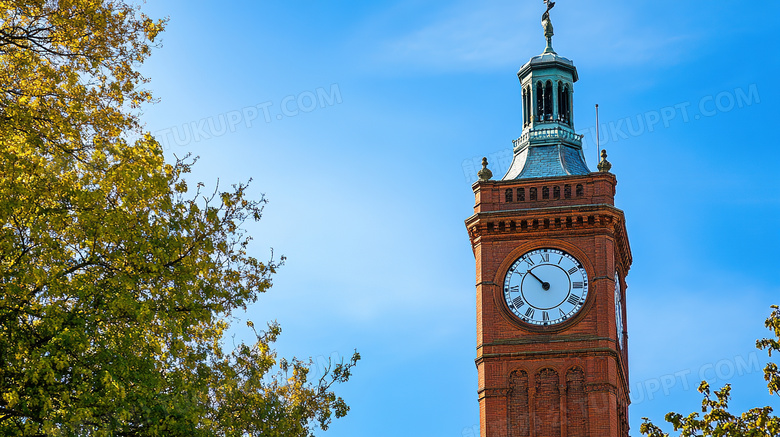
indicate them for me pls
(545, 285)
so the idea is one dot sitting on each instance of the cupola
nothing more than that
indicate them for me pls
(549, 145)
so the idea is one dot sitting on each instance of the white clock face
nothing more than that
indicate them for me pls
(546, 287)
(619, 310)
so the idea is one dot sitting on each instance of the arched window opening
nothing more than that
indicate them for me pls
(525, 108)
(539, 101)
(580, 190)
(561, 108)
(548, 101)
(556, 192)
(508, 195)
(546, 193)
(566, 105)
(567, 191)
(521, 194)
(533, 193)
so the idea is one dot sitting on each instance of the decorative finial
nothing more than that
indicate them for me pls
(485, 174)
(548, 27)
(604, 166)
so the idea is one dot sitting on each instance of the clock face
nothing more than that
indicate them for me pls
(619, 310)
(546, 287)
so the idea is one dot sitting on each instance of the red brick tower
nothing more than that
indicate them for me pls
(552, 254)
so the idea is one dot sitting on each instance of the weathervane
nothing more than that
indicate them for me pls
(548, 27)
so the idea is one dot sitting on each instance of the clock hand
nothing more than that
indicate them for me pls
(545, 285)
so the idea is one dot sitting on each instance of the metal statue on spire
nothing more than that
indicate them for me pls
(548, 27)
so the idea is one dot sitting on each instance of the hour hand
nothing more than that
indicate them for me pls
(545, 285)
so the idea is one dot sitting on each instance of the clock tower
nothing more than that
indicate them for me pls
(552, 255)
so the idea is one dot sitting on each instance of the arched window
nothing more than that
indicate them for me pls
(528, 110)
(533, 193)
(566, 104)
(508, 195)
(580, 190)
(556, 192)
(561, 107)
(567, 191)
(539, 101)
(521, 194)
(525, 108)
(548, 101)
(546, 193)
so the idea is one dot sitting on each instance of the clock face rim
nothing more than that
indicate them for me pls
(619, 311)
(558, 277)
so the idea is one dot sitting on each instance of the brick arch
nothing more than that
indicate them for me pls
(547, 405)
(517, 405)
(576, 403)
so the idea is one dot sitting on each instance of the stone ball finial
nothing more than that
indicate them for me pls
(485, 174)
(604, 166)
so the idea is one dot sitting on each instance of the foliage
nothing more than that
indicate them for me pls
(717, 421)
(117, 281)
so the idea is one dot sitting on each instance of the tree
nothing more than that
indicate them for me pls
(117, 282)
(717, 421)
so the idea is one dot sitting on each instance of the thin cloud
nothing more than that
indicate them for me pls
(471, 36)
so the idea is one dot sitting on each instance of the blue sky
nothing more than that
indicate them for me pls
(363, 124)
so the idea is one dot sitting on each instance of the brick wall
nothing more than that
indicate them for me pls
(557, 381)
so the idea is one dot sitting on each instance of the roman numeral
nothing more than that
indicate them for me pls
(573, 299)
(562, 313)
(577, 284)
(545, 257)
(514, 289)
(573, 270)
(559, 261)
(518, 302)
(529, 261)
(530, 313)
(545, 316)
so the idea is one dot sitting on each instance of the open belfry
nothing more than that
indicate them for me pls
(552, 255)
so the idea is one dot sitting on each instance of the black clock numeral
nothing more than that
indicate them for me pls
(573, 299)
(559, 261)
(514, 289)
(562, 313)
(545, 316)
(573, 270)
(577, 284)
(545, 257)
(518, 302)
(530, 313)
(529, 261)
